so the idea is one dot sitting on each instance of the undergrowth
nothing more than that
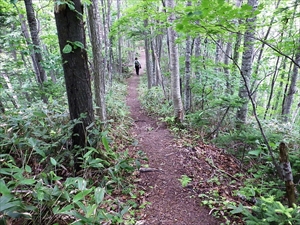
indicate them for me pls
(38, 185)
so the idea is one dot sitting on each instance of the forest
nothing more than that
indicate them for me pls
(220, 75)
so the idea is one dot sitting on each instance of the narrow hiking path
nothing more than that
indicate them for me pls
(171, 204)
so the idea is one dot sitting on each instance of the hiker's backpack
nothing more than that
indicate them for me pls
(136, 63)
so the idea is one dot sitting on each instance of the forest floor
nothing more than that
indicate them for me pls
(169, 159)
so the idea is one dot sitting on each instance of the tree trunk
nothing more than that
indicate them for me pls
(272, 87)
(237, 45)
(255, 83)
(197, 44)
(160, 80)
(187, 86)
(26, 35)
(99, 81)
(70, 30)
(11, 90)
(227, 56)
(174, 64)
(147, 54)
(280, 88)
(107, 71)
(2, 108)
(286, 110)
(246, 67)
(110, 52)
(41, 74)
(119, 40)
(287, 174)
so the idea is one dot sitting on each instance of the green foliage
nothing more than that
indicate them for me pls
(72, 45)
(37, 181)
(269, 211)
(185, 180)
(51, 196)
(154, 102)
(116, 104)
(218, 17)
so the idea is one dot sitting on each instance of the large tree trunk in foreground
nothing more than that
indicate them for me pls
(174, 63)
(70, 30)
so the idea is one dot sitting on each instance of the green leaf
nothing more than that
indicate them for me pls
(40, 114)
(81, 184)
(53, 161)
(28, 169)
(7, 203)
(255, 152)
(105, 143)
(99, 194)
(71, 5)
(3, 188)
(238, 209)
(65, 209)
(33, 142)
(81, 195)
(27, 182)
(78, 44)
(67, 49)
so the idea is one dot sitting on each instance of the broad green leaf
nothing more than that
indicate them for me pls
(65, 209)
(90, 210)
(81, 195)
(28, 169)
(99, 194)
(105, 143)
(255, 152)
(67, 49)
(7, 203)
(81, 184)
(40, 114)
(40, 195)
(53, 161)
(78, 44)
(27, 181)
(238, 209)
(3, 188)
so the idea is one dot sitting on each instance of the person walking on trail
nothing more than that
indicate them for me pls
(137, 66)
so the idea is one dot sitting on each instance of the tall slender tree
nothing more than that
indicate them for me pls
(288, 101)
(246, 68)
(99, 80)
(32, 22)
(174, 64)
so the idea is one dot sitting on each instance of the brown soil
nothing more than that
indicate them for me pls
(171, 204)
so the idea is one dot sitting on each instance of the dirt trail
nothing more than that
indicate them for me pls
(171, 204)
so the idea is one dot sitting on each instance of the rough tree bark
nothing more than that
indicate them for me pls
(70, 30)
